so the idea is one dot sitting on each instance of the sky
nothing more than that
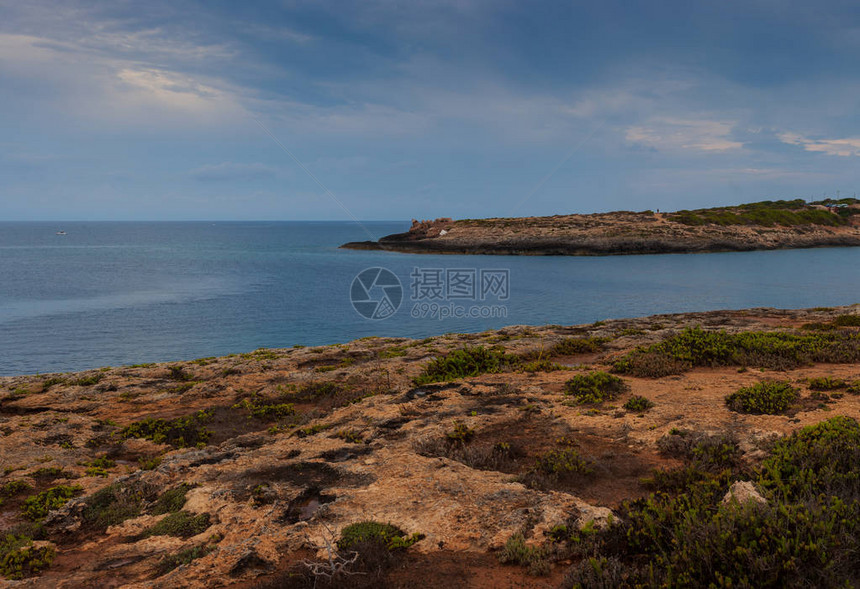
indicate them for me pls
(384, 109)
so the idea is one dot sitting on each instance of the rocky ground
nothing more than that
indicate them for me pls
(282, 449)
(606, 234)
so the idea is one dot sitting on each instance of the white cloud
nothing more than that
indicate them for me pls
(841, 147)
(675, 134)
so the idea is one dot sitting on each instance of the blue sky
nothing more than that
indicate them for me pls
(471, 108)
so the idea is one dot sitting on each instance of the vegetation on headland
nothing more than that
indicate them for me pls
(804, 530)
(787, 213)
(737, 499)
(776, 350)
(752, 226)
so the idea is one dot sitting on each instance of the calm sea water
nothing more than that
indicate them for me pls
(122, 293)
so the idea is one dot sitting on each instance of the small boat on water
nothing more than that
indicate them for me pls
(61, 232)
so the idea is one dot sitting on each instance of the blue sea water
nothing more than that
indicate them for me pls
(114, 293)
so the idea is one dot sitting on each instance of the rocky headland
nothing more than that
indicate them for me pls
(756, 226)
(502, 459)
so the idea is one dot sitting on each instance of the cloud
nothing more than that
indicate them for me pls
(673, 134)
(841, 147)
(231, 171)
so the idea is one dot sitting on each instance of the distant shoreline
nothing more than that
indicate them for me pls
(758, 226)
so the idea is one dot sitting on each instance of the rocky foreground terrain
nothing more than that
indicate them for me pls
(245, 471)
(756, 226)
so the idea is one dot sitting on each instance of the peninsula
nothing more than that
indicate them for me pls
(756, 226)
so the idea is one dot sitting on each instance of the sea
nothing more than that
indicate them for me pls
(117, 293)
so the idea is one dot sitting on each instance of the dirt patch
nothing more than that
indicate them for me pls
(305, 474)
(464, 570)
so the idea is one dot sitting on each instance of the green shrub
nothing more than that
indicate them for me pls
(769, 397)
(181, 432)
(543, 365)
(98, 467)
(113, 505)
(561, 462)
(38, 506)
(596, 573)
(369, 531)
(178, 373)
(819, 460)
(595, 387)
(826, 383)
(461, 433)
(181, 524)
(776, 350)
(310, 430)
(315, 391)
(466, 362)
(12, 488)
(149, 463)
(349, 435)
(53, 381)
(171, 500)
(806, 535)
(393, 352)
(186, 556)
(534, 558)
(847, 321)
(577, 345)
(86, 381)
(637, 403)
(266, 409)
(20, 559)
(788, 213)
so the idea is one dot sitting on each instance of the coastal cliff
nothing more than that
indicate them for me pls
(504, 458)
(756, 226)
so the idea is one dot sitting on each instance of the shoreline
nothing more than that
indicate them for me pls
(757, 226)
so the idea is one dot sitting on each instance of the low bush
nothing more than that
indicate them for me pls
(86, 381)
(594, 388)
(38, 506)
(349, 435)
(19, 558)
(181, 524)
(186, 556)
(770, 397)
(181, 432)
(171, 500)
(114, 504)
(577, 345)
(266, 409)
(825, 383)
(807, 534)
(310, 430)
(534, 558)
(369, 531)
(638, 404)
(847, 321)
(179, 373)
(562, 462)
(461, 433)
(12, 488)
(98, 467)
(775, 350)
(466, 362)
(542, 365)
(596, 573)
